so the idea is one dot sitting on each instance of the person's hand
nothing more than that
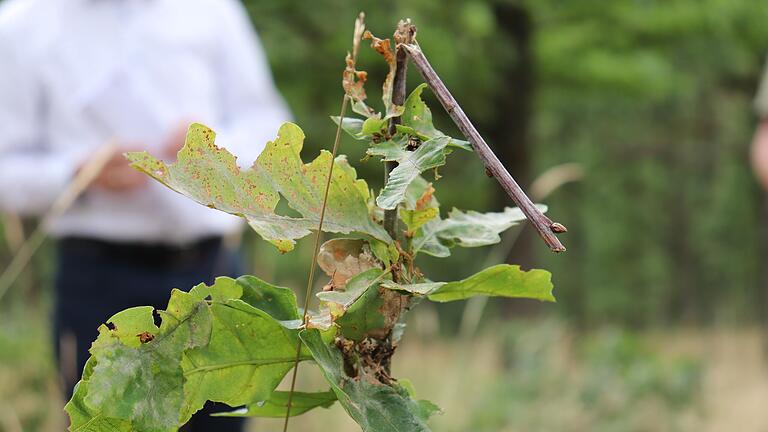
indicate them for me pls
(175, 140)
(117, 174)
(759, 153)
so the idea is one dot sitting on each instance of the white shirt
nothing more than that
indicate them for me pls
(75, 73)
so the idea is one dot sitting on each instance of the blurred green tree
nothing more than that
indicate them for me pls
(652, 97)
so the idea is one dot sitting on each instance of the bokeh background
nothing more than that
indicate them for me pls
(632, 119)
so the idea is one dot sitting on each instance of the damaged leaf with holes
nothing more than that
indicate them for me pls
(226, 343)
(211, 176)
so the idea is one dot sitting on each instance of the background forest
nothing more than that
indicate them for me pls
(651, 98)
(661, 294)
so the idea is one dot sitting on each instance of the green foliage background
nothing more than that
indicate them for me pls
(652, 98)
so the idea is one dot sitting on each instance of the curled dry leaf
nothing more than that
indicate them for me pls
(344, 258)
(353, 82)
(384, 48)
(426, 198)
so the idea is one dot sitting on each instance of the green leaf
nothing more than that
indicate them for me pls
(417, 120)
(352, 126)
(210, 345)
(247, 357)
(144, 384)
(415, 219)
(223, 289)
(210, 176)
(82, 417)
(466, 229)
(358, 309)
(277, 405)
(473, 229)
(373, 126)
(430, 154)
(501, 280)
(355, 288)
(419, 289)
(386, 253)
(420, 205)
(132, 322)
(427, 240)
(427, 409)
(393, 150)
(277, 301)
(375, 407)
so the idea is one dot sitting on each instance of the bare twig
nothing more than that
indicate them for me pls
(546, 183)
(544, 225)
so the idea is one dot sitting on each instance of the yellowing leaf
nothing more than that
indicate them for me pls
(414, 219)
(502, 280)
(209, 175)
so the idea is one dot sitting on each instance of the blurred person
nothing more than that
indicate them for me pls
(76, 74)
(759, 151)
(759, 158)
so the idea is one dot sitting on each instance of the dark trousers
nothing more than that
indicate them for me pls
(96, 279)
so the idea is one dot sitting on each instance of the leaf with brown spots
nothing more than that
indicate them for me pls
(210, 175)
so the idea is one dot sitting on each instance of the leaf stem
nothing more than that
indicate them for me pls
(356, 36)
(544, 225)
(313, 265)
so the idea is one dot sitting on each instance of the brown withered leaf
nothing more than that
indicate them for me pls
(344, 258)
(353, 82)
(426, 198)
(384, 48)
